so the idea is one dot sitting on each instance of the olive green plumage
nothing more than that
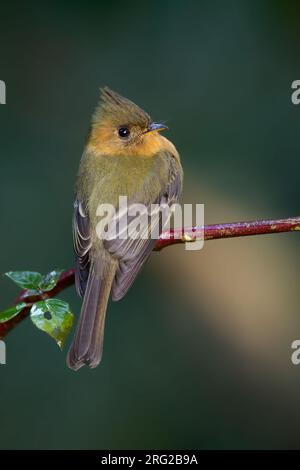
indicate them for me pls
(124, 155)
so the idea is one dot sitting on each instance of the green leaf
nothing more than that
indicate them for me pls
(35, 282)
(26, 279)
(50, 280)
(54, 317)
(11, 312)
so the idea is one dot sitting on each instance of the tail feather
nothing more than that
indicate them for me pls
(87, 345)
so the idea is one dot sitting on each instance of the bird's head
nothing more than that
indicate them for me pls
(119, 127)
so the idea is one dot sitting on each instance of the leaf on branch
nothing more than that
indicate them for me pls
(54, 317)
(50, 280)
(11, 312)
(34, 281)
(26, 279)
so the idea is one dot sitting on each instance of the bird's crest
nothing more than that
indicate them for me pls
(113, 107)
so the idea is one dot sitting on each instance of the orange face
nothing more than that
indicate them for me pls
(111, 138)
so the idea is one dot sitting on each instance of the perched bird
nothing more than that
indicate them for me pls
(125, 154)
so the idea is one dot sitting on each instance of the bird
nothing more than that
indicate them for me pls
(124, 154)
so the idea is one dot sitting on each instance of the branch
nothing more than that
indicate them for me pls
(230, 230)
(171, 237)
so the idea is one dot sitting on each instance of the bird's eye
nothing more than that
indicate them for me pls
(124, 132)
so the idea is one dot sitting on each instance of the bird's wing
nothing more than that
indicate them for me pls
(132, 253)
(94, 286)
(82, 245)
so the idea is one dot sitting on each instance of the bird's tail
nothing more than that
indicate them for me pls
(87, 344)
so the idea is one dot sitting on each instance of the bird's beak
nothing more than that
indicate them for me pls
(156, 127)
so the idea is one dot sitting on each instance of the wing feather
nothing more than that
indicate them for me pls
(133, 253)
(82, 245)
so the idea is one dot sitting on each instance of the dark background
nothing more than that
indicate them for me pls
(198, 353)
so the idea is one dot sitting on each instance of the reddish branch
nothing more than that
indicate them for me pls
(211, 232)
(230, 230)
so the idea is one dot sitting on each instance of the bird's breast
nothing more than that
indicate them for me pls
(105, 178)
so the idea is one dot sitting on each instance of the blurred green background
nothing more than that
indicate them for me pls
(197, 355)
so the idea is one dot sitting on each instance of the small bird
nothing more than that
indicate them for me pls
(125, 154)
